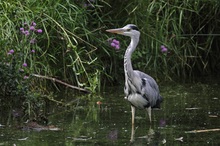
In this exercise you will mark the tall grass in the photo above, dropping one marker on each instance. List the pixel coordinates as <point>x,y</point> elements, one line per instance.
<point>49,38</point>
<point>189,29</point>
<point>63,50</point>
<point>66,40</point>
<point>73,48</point>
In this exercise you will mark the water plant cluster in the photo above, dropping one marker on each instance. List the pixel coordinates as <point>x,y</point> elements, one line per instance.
<point>66,40</point>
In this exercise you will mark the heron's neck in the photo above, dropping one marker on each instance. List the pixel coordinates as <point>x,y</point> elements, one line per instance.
<point>127,58</point>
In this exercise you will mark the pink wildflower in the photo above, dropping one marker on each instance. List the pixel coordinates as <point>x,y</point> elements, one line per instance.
<point>24,65</point>
<point>39,30</point>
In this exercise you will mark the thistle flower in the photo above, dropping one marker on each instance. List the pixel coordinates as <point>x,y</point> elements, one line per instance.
<point>33,23</point>
<point>39,30</point>
<point>115,41</point>
<point>33,51</point>
<point>163,49</point>
<point>115,44</point>
<point>26,32</point>
<point>24,65</point>
<point>32,28</point>
<point>26,77</point>
<point>21,29</point>
<point>117,47</point>
<point>11,52</point>
<point>32,41</point>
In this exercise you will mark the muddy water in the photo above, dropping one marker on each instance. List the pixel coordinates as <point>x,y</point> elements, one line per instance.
<point>190,115</point>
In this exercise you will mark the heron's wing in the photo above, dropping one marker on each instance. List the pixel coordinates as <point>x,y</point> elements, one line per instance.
<point>148,79</point>
<point>148,88</point>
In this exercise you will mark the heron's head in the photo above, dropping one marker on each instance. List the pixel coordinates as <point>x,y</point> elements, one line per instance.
<point>128,30</point>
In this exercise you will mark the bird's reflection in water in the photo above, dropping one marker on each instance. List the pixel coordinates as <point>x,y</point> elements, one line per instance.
<point>149,135</point>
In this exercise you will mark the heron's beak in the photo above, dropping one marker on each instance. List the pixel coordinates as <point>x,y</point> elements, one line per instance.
<point>117,30</point>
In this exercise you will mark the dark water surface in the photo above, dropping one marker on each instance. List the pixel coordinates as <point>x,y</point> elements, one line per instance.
<point>186,108</point>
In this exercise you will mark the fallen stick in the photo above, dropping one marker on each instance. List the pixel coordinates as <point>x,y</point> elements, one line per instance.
<point>61,82</point>
<point>205,130</point>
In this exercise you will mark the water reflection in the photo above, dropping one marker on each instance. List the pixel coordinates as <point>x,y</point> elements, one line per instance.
<point>148,138</point>
<point>113,135</point>
<point>185,109</point>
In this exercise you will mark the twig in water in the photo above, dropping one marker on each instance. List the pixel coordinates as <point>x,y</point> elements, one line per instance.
<point>205,130</point>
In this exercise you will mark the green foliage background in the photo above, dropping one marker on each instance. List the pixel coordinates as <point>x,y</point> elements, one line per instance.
<point>73,46</point>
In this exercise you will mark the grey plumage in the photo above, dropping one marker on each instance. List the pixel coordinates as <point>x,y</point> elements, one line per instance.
<point>141,90</point>
<point>146,87</point>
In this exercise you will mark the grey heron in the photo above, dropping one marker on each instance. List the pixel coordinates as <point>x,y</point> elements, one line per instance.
<point>141,90</point>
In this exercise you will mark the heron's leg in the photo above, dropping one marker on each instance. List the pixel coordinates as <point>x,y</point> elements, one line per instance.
<point>132,121</point>
<point>149,112</point>
<point>132,114</point>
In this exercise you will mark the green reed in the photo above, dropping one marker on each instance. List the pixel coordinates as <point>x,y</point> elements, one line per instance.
<point>63,49</point>
<point>48,38</point>
<point>187,28</point>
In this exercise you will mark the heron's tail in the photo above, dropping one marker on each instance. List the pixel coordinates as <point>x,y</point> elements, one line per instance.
<point>158,102</point>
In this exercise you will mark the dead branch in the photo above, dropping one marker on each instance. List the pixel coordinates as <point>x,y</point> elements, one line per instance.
<point>61,82</point>
<point>205,130</point>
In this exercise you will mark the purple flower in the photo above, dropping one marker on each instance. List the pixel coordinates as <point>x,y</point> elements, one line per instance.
<point>26,77</point>
<point>115,44</point>
<point>33,23</point>
<point>21,29</point>
<point>33,51</point>
<point>162,46</point>
<point>115,41</point>
<point>24,65</point>
<point>26,32</point>
<point>162,123</point>
<point>117,47</point>
<point>163,49</point>
<point>113,135</point>
<point>32,28</point>
<point>32,41</point>
<point>39,30</point>
<point>11,52</point>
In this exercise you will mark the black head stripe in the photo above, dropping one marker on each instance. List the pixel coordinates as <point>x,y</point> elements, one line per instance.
<point>134,27</point>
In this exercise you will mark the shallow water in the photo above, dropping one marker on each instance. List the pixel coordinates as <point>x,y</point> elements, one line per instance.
<point>185,108</point>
